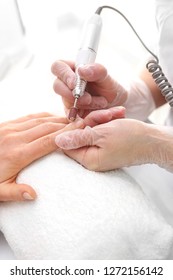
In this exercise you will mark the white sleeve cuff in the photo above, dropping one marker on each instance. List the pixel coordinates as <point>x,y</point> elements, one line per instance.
<point>140,103</point>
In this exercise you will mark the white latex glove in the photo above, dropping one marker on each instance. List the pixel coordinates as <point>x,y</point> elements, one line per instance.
<point>119,143</point>
<point>140,103</point>
<point>102,91</point>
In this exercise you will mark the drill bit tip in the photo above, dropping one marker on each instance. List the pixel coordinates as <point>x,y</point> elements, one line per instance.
<point>72,114</point>
<point>73,111</point>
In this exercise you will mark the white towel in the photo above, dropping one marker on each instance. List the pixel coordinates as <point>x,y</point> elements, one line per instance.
<point>80,214</point>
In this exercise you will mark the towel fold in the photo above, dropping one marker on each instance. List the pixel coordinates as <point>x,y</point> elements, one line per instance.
<point>81,214</point>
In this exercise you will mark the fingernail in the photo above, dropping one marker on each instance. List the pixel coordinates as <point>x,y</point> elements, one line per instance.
<point>27,196</point>
<point>87,70</point>
<point>119,109</point>
<point>79,123</point>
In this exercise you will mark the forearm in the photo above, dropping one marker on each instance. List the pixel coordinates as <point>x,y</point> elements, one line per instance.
<point>159,146</point>
<point>154,89</point>
<point>140,103</point>
<point>143,97</point>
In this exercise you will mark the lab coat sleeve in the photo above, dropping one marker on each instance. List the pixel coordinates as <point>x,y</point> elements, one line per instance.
<point>164,21</point>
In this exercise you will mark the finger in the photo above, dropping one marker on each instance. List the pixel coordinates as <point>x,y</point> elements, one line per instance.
<point>66,93</point>
<point>96,102</point>
<point>63,90</point>
<point>86,102</point>
<point>39,131</point>
<point>64,71</point>
<point>93,72</point>
<point>30,117</point>
<point>103,116</point>
<point>64,85</point>
<point>46,144</point>
<point>103,84</point>
<point>75,139</point>
<point>11,191</point>
<point>31,123</point>
<point>55,65</point>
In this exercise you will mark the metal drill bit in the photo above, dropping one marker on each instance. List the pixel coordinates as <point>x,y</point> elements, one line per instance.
<point>73,111</point>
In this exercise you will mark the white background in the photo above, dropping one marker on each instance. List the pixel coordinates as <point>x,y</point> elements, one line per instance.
<point>53,29</point>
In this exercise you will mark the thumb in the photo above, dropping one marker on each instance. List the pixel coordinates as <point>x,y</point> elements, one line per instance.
<point>76,138</point>
<point>16,192</point>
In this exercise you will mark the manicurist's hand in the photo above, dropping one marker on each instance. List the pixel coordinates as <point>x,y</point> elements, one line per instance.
<point>119,143</point>
<point>102,90</point>
<point>22,141</point>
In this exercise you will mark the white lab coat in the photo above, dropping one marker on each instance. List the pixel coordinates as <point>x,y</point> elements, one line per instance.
<point>164,20</point>
<point>155,181</point>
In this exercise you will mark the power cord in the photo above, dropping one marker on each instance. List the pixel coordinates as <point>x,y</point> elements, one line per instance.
<point>153,65</point>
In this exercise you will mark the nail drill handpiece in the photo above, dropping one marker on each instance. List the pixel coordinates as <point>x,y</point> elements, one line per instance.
<point>86,55</point>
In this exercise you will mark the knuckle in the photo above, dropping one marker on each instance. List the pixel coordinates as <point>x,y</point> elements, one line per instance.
<point>37,115</point>
<point>53,67</point>
<point>7,131</point>
<point>65,76</point>
<point>18,155</point>
<point>56,86</point>
<point>30,116</point>
<point>45,122</point>
<point>10,151</point>
<point>15,156</point>
<point>7,139</point>
<point>57,66</point>
<point>50,126</point>
<point>46,142</point>
<point>38,121</point>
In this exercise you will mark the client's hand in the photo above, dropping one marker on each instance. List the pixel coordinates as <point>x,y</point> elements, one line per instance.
<point>21,142</point>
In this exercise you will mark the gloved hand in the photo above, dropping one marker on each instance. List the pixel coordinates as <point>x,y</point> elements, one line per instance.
<point>119,143</point>
<point>103,116</point>
<point>102,91</point>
